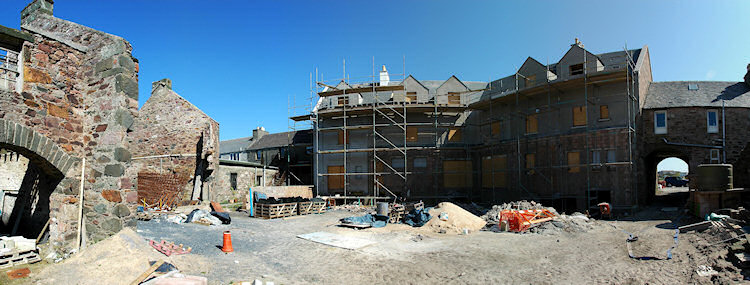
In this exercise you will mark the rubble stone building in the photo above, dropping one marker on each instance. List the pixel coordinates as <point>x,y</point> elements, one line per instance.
<point>69,93</point>
<point>289,152</point>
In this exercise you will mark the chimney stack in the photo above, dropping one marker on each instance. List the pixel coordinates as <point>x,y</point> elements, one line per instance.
<point>384,78</point>
<point>577,43</point>
<point>258,133</point>
<point>747,75</point>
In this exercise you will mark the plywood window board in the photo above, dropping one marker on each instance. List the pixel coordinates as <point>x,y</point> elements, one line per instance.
<point>335,182</point>
<point>603,112</point>
<point>456,173</point>
<point>341,136</point>
<point>579,116</point>
<point>493,171</point>
<point>495,128</point>
<point>532,125</point>
<point>574,160</point>
<point>412,134</point>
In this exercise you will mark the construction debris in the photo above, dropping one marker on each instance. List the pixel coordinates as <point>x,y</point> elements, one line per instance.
<point>457,220</point>
<point>169,248</point>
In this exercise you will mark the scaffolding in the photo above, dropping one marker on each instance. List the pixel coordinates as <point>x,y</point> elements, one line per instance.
<point>393,131</point>
<point>553,173</point>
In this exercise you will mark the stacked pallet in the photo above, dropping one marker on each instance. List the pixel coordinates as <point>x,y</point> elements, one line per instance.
<point>311,207</point>
<point>274,211</point>
<point>18,257</point>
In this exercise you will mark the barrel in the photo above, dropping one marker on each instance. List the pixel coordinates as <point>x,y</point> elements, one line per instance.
<point>715,177</point>
<point>382,209</point>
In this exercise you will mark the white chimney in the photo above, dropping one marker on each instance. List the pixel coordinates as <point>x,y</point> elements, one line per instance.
<point>384,78</point>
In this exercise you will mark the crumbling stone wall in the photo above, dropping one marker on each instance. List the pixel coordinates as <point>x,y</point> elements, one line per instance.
<point>173,136</point>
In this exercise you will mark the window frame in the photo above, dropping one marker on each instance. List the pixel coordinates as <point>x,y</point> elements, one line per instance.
<point>715,128</point>
<point>574,70</point>
<point>661,130</point>
<point>717,158</point>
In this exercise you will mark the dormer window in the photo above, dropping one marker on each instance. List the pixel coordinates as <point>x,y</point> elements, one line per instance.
<point>576,69</point>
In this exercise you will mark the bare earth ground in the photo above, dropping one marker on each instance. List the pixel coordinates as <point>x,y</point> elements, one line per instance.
<point>269,250</point>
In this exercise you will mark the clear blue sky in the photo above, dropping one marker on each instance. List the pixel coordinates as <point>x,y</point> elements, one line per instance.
<point>240,60</point>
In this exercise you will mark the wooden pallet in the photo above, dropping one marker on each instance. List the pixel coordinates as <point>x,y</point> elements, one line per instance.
<point>274,211</point>
<point>18,257</point>
<point>311,207</point>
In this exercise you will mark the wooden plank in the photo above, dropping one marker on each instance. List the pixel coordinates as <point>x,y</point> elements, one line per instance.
<point>360,90</point>
<point>148,272</point>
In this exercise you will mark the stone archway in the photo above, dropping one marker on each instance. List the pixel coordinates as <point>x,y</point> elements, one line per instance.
<point>652,160</point>
<point>26,209</point>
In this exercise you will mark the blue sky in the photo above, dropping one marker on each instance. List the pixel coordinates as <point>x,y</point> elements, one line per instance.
<point>239,61</point>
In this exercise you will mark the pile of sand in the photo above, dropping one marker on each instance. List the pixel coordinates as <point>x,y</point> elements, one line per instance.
<point>457,220</point>
<point>118,259</point>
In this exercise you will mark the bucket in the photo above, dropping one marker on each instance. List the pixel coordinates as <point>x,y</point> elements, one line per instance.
<point>382,208</point>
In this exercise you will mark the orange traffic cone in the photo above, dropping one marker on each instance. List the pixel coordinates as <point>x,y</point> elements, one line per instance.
<point>227,242</point>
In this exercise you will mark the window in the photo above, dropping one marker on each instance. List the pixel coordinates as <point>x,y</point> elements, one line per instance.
<point>596,157</point>
<point>420,162</point>
<point>660,122</point>
<point>258,180</point>
<point>308,150</point>
<point>579,116</point>
<point>412,134</point>
<point>530,160</point>
<point>397,162</point>
<point>712,121</point>
<point>611,156</point>
<point>576,69</point>
<point>494,171</point>
<point>603,112</point>
<point>335,181</point>
<point>456,173</point>
<point>692,86</point>
<point>233,181</point>
<point>531,124</point>
<point>454,135</point>
<point>344,100</point>
<point>342,137</point>
<point>411,96</point>
<point>257,154</point>
<point>495,128</point>
<point>574,160</point>
<point>530,80</point>
<point>715,157</point>
<point>454,98</point>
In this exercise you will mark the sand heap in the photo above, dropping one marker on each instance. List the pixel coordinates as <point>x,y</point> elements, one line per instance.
<point>118,259</point>
<point>456,219</point>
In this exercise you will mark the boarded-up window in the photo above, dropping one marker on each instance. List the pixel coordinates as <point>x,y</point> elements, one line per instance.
<point>342,137</point>
<point>456,173</point>
<point>530,80</point>
<point>603,112</point>
<point>335,182</point>
<point>574,160</point>
<point>576,69</point>
<point>412,134</point>
<point>579,116</point>
<point>454,98</point>
<point>494,171</point>
<point>495,126</point>
<point>454,135</point>
<point>530,160</point>
<point>532,126</point>
<point>411,96</point>
<point>344,100</point>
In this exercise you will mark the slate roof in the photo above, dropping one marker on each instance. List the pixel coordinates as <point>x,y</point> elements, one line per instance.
<point>266,141</point>
<point>709,94</point>
<point>234,145</point>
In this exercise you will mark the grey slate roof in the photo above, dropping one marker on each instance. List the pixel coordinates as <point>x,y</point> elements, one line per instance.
<point>234,145</point>
<point>266,141</point>
<point>709,94</point>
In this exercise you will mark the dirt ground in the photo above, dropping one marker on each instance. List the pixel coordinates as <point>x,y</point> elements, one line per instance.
<point>270,250</point>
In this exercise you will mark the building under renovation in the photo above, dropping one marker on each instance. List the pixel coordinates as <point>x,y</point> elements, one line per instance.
<point>569,134</point>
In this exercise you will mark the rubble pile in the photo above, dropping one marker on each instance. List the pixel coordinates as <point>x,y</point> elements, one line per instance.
<point>492,216</point>
<point>574,223</point>
<point>449,218</point>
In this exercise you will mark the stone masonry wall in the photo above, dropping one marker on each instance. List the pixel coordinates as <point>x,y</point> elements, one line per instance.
<point>171,135</point>
<point>246,178</point>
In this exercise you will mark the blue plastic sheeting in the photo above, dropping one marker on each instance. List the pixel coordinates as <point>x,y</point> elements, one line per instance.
<point>376,221</point>
<point>417,218</point>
